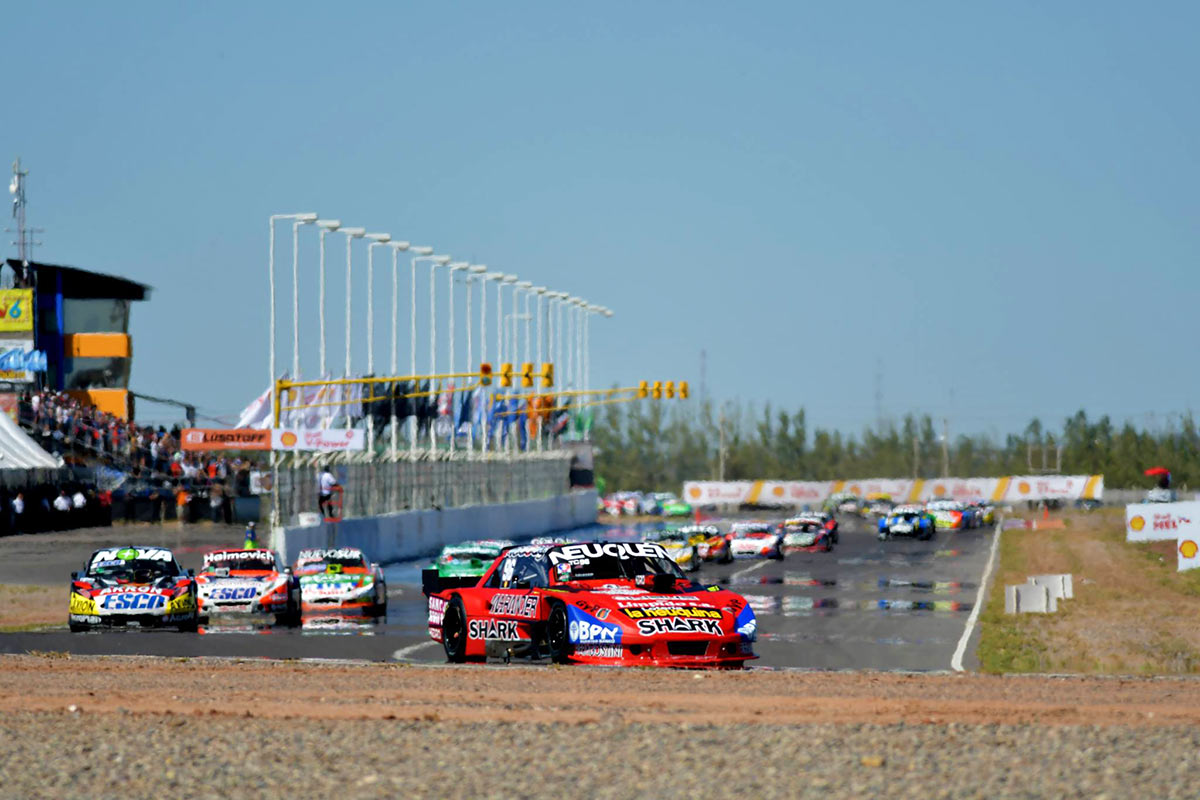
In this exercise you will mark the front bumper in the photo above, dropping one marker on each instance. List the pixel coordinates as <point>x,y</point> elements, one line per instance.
<point>728,652</point>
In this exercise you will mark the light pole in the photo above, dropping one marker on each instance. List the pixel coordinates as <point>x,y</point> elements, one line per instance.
<point>296,294</point>
<point>377,239</point>
<point>569,338</point>
<point>475,270</point>
<point>539,291</point>
<point>500,327</point>
<point>271,354</point>
<point>490,276</point>
<point>580,316</point>
<point>397,247</point>
<point>519,356</point>
<point>326,226</point>
<point>433,382</point>
<point>457,266</point>
<point>351,235</point>
<point>412,339</point>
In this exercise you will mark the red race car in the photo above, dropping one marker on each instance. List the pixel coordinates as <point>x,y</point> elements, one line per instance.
<point>607,603</point>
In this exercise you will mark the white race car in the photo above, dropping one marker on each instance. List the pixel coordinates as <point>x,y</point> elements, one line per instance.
<point>756,540</point>
<point>248,584</point>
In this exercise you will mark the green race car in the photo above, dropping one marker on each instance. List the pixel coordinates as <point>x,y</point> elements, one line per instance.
<point>463,564</point>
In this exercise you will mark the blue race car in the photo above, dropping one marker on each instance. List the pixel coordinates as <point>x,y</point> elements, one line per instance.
<point>907,521</point>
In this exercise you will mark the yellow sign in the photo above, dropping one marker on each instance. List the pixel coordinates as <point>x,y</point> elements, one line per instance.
<point>16,309</point>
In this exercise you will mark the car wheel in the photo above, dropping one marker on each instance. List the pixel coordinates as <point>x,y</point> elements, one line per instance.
<point>77,628</point>
<point>883,536</point>
<point>454,632</point>
<point>190,627</point>
<point>557,640</point>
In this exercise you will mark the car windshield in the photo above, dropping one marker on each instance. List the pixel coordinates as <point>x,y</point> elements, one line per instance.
<point>612,561</point>
<point>133,570</point>
<point>467,556</point>
<point>803,527</point>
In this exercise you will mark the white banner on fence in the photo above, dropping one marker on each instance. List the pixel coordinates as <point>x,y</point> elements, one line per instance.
<point>1010,489</point>
<point>1161,522</point>
<point>325,441</point>
<point>1189,552</point>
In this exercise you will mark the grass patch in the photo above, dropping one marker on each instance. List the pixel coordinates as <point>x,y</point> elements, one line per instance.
<point>1132,611</point>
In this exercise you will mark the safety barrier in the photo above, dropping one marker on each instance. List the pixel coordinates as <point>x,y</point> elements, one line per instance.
<point>413,534</point>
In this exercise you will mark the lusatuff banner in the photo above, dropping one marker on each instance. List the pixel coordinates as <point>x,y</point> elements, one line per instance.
<point>1008,489</point>
<point>330,440</point>
<point>205,439</point>
<point>1162,522</point>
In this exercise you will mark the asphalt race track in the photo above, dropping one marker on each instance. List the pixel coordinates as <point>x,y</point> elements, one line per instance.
<point>900,604</point>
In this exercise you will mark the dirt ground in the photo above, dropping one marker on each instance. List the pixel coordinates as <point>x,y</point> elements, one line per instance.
<point>283,690</point>
<point>1132,613</point>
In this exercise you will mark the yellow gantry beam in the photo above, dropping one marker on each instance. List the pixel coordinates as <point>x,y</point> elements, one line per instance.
<point>484,377</point>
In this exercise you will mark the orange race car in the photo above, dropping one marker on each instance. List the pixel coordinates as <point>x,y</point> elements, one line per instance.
<point>340,581</point>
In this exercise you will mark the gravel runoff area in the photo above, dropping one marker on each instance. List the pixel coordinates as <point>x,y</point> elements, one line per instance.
<point>108,727</point>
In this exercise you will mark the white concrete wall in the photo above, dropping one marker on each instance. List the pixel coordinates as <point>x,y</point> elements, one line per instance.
<point>414,534</point>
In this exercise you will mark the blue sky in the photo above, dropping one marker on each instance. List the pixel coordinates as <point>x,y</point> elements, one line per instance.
<point>998,201</point>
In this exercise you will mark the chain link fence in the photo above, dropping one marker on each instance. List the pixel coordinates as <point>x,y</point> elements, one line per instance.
<point>382,487</point>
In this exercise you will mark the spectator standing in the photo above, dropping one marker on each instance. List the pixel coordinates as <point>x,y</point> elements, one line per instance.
<point>62,502</point>
<point>18,513</point>
<point>326,483</point>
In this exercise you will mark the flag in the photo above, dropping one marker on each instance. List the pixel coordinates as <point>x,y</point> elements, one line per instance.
<point>465,408</point>
<point>523,439</point>
<point>258,414</point>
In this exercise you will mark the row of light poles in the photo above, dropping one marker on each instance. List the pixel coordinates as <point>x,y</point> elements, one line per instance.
<point>565,333</point>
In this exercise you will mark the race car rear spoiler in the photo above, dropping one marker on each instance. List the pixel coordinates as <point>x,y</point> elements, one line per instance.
<point>432,583</point>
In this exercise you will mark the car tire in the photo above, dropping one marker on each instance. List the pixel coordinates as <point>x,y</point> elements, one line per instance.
<point>454,631</point>
<point>558,641</point>
<point>77,628</point>
<point>883,536</point>
<point>190,627</point>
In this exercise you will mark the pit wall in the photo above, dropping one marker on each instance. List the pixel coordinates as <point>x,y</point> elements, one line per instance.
<point>415,534</point>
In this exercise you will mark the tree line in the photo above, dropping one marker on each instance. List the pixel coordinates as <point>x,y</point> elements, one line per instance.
<point>655,445</point>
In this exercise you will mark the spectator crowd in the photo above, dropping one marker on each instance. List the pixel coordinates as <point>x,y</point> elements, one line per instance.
<point>158,479</point>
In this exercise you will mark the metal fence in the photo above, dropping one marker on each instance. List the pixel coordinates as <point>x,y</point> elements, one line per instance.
<point>382,487</point>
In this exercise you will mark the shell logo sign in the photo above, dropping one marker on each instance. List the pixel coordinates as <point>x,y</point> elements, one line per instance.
<point>1188,548</point>
<point>1137,523</point>
<point>1023,487</point>
<point>777,491</point>
<point>939,490</point>
<point>288,439</point>
<point>694,493</point>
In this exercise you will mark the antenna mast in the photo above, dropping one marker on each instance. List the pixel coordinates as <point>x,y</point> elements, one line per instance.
<point>16,188</point>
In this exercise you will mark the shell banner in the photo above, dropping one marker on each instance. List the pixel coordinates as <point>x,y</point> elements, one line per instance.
<point>1009,489</point>
<point>1162,522</point>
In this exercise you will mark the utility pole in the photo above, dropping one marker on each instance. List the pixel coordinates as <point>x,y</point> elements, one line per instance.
<point>945,447</point>
<point>721,444</point>
<point>24,242</point>
<point>916,457</point>
<point>879,395</point>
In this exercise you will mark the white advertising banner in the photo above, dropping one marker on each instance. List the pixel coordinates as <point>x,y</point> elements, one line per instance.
<point>1161,522</point>
<point>1189,552</point>
<point>1010,489</point>
<point>329,440</point>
